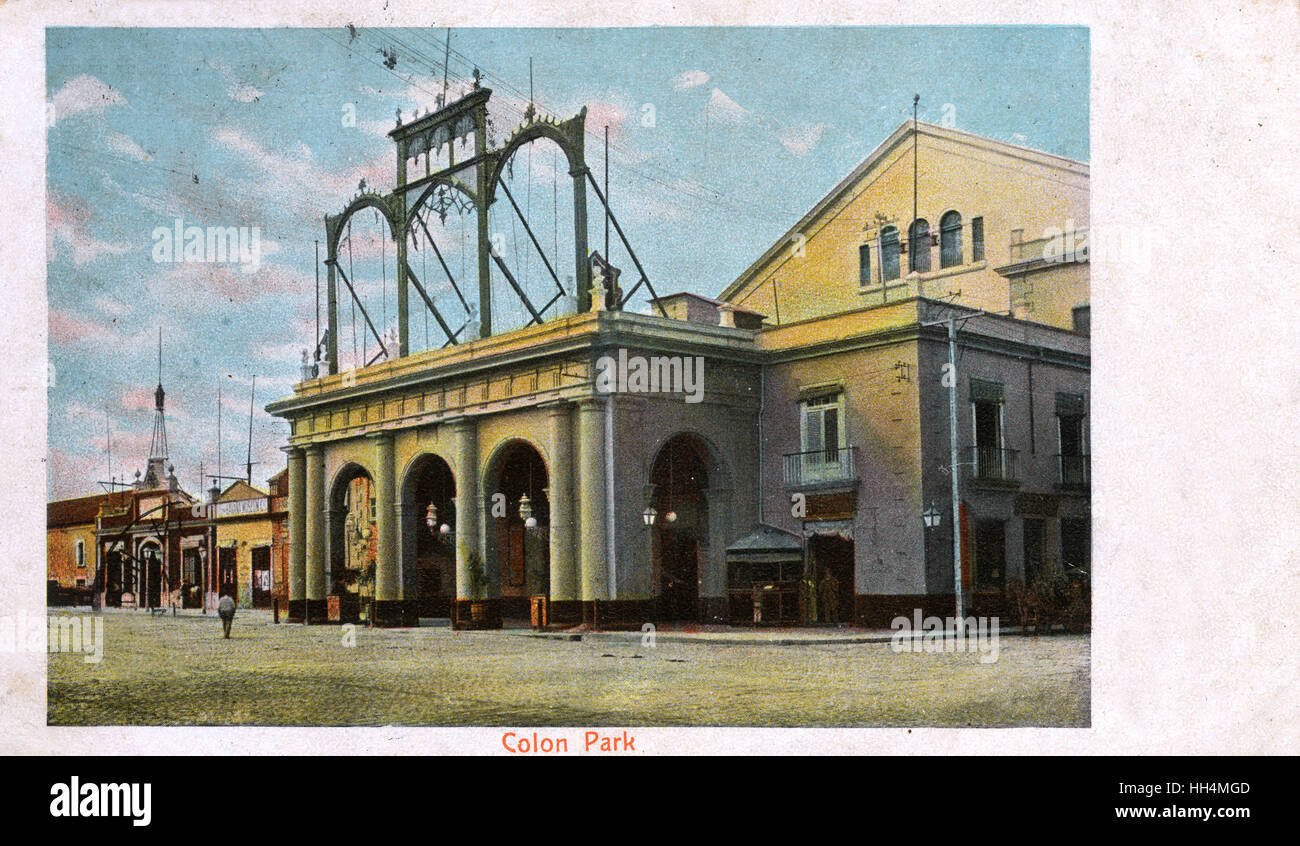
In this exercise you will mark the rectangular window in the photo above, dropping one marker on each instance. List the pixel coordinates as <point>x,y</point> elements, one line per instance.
<point>977,238</point>
<point>986,418</point>
<point>864,265</point>
<point>1071,433</point>
<point>821,427</point>
<point>81,553</point>
<point>823,455</point>
<point>1072,439</point>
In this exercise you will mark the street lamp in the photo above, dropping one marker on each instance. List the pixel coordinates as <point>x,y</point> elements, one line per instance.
<point>431,520</point>
<point>526,512</point>
<point>648,516</point>
<point>932,517</point>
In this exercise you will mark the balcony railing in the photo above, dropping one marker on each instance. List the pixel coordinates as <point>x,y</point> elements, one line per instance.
<point>993,464</point>
<point>832,464</point>
<point>1075,471</point>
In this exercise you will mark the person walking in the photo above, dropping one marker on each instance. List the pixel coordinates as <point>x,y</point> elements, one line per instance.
<point>226,609</point>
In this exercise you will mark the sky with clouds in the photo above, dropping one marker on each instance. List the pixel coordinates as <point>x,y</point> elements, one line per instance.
<point>720,139</point>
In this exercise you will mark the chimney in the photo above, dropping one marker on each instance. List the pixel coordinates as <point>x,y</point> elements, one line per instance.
<point>727,315</point>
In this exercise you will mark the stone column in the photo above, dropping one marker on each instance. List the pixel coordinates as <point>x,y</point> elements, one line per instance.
<point>297,535</point>
<point>388,570</point>
<point>564,565</point>
<point>316,565</point>
<point>590,494</point>
<point>468,504</point>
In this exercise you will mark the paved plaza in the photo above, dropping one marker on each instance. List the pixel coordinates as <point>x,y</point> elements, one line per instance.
<point>179,671</point>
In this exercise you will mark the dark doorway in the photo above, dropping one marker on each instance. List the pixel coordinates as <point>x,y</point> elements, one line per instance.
<point>679,567</point>
<point>431,550</point>
<point>1076,548</point>
<point>831,567</point>
<point>227,573</point>
<point>680,478</point>
<point>261,577</point>
<point>990,555</point>
<point>113,579</point>
<point>1034,533</point>
<point>522,535</point>
<point>130,567</point>
<point>153,579</point>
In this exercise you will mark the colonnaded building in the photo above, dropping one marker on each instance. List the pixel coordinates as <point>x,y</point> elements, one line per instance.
<point>702,461</point>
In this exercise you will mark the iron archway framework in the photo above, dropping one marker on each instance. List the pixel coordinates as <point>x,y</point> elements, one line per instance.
<point>468,185</point>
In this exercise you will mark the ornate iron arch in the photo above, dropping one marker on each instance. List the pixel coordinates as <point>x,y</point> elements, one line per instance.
<point>334,224</point>
<point>568,135</point>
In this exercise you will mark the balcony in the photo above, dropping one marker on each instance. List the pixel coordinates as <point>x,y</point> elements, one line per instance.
<point>1075,471</point>
<point>822,466</point>
<point>993,464</point>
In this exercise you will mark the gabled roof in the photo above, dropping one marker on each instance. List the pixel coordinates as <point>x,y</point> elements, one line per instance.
<point>239,490</point>
<point>904,132</point>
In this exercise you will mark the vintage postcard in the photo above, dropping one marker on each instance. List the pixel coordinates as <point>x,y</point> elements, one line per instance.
<point>524,383</point>
<point>439,376</point>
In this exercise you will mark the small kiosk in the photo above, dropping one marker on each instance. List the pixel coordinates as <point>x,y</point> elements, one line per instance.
<point>764,572</point>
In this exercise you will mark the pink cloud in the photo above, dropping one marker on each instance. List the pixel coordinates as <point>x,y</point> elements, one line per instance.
<point>67,222</point>
<point>66,328</point>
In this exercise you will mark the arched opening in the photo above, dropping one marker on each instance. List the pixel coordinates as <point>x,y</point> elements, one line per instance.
<point>112,579</point>
<point>142,579</point>
<point>367,300</point>
<point>918,245</point>
<point>429,547</point>
<point>950,239</point>
<point>681,529</point>
<point>353,543</point>
<point>889,253</point>
<point>519,533</point>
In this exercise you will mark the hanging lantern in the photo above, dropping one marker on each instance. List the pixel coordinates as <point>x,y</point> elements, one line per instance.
<point>648,516</point>
<point>526,512</point>
<point>431,517</point>
<point>445,529</point>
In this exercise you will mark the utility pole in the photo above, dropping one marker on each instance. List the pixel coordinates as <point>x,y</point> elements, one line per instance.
<point>248,466</point>
<point>952,451</point>
<point>953,463</point>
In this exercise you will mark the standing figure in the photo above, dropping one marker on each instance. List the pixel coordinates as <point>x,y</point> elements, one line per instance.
<point>829,594</point>
<point>226,610</point>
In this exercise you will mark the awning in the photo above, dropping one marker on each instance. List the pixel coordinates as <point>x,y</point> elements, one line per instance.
<point>767,543</point>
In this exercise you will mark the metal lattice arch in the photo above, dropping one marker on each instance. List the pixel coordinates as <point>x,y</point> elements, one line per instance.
<point>478,178</point>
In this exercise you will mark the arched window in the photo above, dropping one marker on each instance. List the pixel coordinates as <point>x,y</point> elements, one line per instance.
<point>950,240</point>
<point>918,245</point>
<point>889,253</point>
